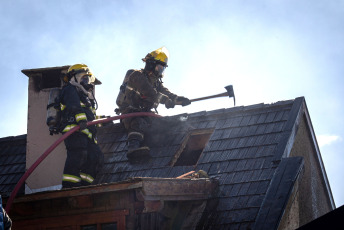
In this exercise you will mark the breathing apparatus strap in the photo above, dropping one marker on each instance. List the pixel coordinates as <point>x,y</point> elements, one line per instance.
<point>95,101</point>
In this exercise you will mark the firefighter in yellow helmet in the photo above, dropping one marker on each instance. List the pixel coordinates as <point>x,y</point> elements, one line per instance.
<point>78,106</point>
<point>141,91</point>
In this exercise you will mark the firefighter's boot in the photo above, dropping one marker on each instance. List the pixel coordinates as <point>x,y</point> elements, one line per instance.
<point>135,150</point>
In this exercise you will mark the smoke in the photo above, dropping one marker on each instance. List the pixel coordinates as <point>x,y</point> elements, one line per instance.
<point>165,131</point>
<point>183,118</point>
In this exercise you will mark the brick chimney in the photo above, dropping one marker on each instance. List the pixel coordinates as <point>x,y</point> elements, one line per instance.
<point>48,175</point>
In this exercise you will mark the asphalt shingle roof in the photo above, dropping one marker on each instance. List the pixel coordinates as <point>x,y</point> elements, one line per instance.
<point>243,153</point>
<point>12,162</point>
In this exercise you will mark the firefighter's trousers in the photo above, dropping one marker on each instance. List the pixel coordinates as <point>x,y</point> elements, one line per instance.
<point>84,158</point>
<point>136,124</point>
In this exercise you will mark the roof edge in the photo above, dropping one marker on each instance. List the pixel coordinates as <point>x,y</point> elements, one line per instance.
<point>237,109</point>
<point>203,189</point>
<point>279,192</point>
<point>28,72</point>
<point>298,112</point>
<point>289,133</point>
<point>13,138</point>
<point>317,149</point>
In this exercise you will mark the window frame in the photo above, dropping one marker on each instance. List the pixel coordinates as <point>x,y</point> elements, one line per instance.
<point>177,160</point>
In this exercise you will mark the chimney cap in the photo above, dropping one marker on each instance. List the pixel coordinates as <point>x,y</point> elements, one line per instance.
<point>30,72</point>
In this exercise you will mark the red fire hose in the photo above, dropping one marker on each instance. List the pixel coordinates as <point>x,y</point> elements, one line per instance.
<point>64,136</point>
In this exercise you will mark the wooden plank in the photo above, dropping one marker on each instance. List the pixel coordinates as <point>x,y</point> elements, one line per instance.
<point>160,185</point>
<point>177,189</point>
<point>80,191</point>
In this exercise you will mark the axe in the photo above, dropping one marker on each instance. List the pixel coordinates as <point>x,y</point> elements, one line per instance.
<point>229,93</point>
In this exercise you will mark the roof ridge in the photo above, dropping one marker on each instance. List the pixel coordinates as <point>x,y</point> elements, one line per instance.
<point>13,138</point>
<point>237,109</point>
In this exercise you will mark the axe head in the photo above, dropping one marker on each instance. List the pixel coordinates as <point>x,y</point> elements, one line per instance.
<point>230,92</point>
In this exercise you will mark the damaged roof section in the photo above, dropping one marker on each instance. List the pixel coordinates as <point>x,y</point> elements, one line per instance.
<point>192,148</point>
<point>240,139</point>
<point>168,201</point>
<point>239,149</point>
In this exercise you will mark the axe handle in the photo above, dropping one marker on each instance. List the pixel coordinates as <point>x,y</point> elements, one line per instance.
<point>209,97</point>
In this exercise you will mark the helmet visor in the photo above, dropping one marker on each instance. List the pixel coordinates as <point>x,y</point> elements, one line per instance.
<point>85,79</point>
<point>160,69</point>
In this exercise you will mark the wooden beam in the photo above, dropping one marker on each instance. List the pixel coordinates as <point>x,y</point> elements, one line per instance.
<point>80,191</point>
<point>150,188</point>
<point>177,189</point>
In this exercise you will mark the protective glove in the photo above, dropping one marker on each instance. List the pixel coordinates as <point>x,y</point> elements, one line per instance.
<point>183,101</point>
<point>83,125</point>
<point>169,104</point>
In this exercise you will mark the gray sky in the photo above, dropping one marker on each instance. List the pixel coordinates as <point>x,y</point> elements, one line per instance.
<point>270,50</point>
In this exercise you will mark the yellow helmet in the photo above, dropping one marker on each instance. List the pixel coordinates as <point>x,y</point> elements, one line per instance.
<point>80,68</point>
<point>160,55</point>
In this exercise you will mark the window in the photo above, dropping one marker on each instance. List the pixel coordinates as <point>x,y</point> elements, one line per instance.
<point>192,148</point>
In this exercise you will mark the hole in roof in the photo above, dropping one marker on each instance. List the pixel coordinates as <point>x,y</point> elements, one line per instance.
<point>192,148</point>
